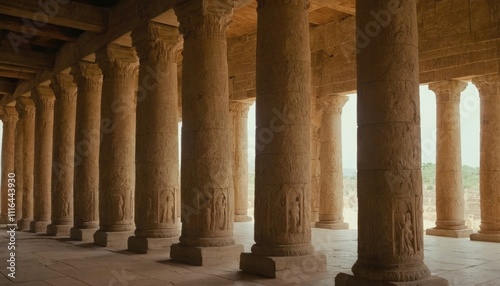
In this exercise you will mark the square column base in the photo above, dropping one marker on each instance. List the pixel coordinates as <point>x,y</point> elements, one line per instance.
<point>343,279</point>
<point>82,234</point>
<point>460,233</point>
<point>485,237</point>
<point>144,245</point>
<point>58,229</point>
<point>39,226</point>
<point>242,218</point>
<point>338,225</point>
<point>205,256</point>
<point>283,267</point>
<point>24,224</point>
<point>112,239</point>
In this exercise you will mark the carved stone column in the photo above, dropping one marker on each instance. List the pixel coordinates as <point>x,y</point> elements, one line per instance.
<point>489,92</point>
<point>88,79</point>
<point>157,158</point>
<point>315,149</point>
<point>117,150</point>
<point>206,172</point>
<point>9,118</point>
<point>449,191</point>
<point>239,113</point>
<point>18,163</point>
<point>390,221</point>
<point>282,164</point>
<point>44,100</point>
<point>26,109</point>
<point>332,176</point>
<point>64,90</point>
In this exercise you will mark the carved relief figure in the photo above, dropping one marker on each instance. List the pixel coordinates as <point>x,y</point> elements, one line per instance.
<point>119,207</point>
<point>294,214</point>
<point>65,208</point>
<point>149,207</point>
<point>406,247</point>
<point>163,207</point>
<point>221,212</point>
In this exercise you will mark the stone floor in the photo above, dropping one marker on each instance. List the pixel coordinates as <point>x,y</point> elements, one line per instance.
<point>43,260</point>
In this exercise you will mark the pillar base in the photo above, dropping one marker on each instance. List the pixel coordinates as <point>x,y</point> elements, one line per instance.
<point>458,233</point>
<point>39,226</point>
<point>489,237</point>
<point>333,225</point>
<point>82,234</point>
<point>144,245</point>
<point>205,256</point>
<point>58,229</point>
<point>242,218</point>
<point>343,279</point>
<point>314,216</point>
<point>24,224</point>
<point>283,267</point>
<point>112,239</point>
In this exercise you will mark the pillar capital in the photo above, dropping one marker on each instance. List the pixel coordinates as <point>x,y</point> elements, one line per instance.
<point>64,86</point>
<point>156,42</point>
<point>239,107</point>
<point>87,74</point>
<point>449,90</point>
<point>25,107</point>
<point>9,115</point>
<point>117,61</point>
<point>488,85</point>
<point>304,4</point>
<point>44,98</point>
<point>204,19</point>
<point>332,103</point>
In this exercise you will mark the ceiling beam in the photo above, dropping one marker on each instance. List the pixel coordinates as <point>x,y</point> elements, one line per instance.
<point>17,25</point>
<point>26,58</point>
<point>16,74</point>
<point>346,6</point>
<point>70,14</point>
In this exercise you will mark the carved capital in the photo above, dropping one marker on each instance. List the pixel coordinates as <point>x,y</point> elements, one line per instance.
<point>44,98</point>
<point>25,107</point>
<point>488,85</point>
<point>449,90</point>
<point>204,19</point>
<point>332,103</point>
<point>64,86</point>
<point>239,108</point>
<point>9,115</point>
<point>156,42</point>
<point>302,4</point>
<point>116,61</point>
<point>87,75</point>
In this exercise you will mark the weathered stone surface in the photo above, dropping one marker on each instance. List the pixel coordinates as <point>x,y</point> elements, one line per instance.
<point>44,100</point>
<point>205,256</point>
<point>9,117</point>
<point>315,155</point>
<point>18,163</point>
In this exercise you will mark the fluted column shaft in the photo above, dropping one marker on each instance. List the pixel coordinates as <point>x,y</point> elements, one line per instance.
<point>239,113</point>
<point>489,92</point>
<point>9,117</point>
<point>117,150</point>
<point>88,79</point>
<point>44,100</point>
<point>26,109</point>
<point>18,164</point>
<point>332,178</point>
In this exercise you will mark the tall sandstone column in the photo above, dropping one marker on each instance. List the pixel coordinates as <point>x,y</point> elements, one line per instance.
<point>282,165</point>
<point>332,178</point>
<point>449,192</point>
<point>26,109</point>
<point>64,155</point>
<point>9,117</point>
<point>44,127</point>
<point>117,150</point>
<point>489,92</point>
<point>315,149</point>
<point>206,169</point>
<point>390,222</point>
<point>239,114</point>
<point>157,157</point>
<point>88,79</point>
<point>18,163</point>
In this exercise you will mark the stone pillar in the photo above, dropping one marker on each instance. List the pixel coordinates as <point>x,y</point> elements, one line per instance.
<point>64,89</point>
<point>26,109</point>
<point>88,79</point>
<point>315,148</point>
<point>18,163</point>
<point>117,150</point>
<point>206,170</point>
<point>282,164</point>
<point>449,192</point>
<point>332,176</point>
<point>390,221</point>
<point>157,158</point>
<point>44,100</point>
<point>489,92</point>
<point>239,113</point>
<point>9,118</point>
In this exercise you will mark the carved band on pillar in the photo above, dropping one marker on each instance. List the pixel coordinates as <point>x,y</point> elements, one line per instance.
<point>44,127</point>
<point>18,163</point>
<point>88,78</point>
<point>332,178</point>
<point>282,165</point>
<point>449,192</point>
<point>9,117</point>
<point>489,92</point>
<point>206,171</point>
<point>157,158</point>
<point>26,109</point>
<point>239,150</point>
<point>64,89</point>
<point>117,149</point>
